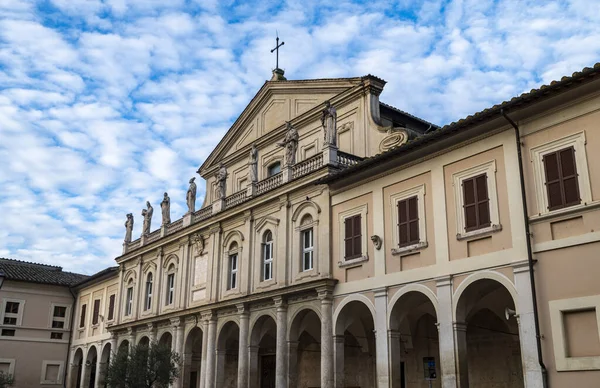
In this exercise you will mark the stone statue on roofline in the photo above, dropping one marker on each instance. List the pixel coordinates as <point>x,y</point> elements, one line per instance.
<point>147,214</point>
<point>128,228</point>
<point>190,197</point>
<point>222,182</point>
<point>253,164</point>
<point>290,143</point>
<point>165,206</point>
<point>329,123</point>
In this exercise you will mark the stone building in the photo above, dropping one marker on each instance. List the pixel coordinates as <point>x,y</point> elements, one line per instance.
<point>345,243</point>
<point>36,306</point>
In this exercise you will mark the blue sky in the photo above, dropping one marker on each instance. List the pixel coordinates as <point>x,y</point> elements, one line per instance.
<point>107,104</point>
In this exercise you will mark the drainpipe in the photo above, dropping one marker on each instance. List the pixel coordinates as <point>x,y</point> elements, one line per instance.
<point>529,250</point>
<point>70,336</point>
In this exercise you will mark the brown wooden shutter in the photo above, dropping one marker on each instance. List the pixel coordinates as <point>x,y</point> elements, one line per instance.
<point>408,221</point>
<point>82,317</point>
<point>562,185</point>
<point>96,312</point>
<point>353,237</point>
<point>357,236</point>
<point>476,202</point>
<point>111,307</point>
<point>348,247</point>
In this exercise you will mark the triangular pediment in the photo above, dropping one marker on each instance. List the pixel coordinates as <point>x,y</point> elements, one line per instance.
<point>274,104</point>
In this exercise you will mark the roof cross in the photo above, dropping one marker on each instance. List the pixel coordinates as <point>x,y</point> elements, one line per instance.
<point>277,45</point>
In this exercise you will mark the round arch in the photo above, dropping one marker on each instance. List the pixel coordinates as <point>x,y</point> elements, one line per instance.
<point>420,288</point>
<point>352,298</point>
<point>301,310</point>
<point>166,338</point>
<point>490,275</point>
<point>222,324</point>
<point>254,319</point>
<point>144,340</point>
<point>307,207</point>
<point>233,235</point>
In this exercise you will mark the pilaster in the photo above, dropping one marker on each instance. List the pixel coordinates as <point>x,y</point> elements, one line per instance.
<point>446,333</point>
<point>381,342</point>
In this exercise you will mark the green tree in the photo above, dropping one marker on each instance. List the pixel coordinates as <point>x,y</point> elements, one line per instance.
<point>6,380</point>
<point>143,366</point>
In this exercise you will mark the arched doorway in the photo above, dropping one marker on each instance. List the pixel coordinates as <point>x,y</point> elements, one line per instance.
<point>414,342</point>
<point>89,380</point>
<point>166,339</point>
<point>144,341</point>
<point>489,351</point>
<point>104,362</point>
<point>123,346</point>
<point>227,355</point>
<point>262,348</point>
<point>355,351</point>
<point>76,369</point>
<point>192,359</point>
<point>305,350</point>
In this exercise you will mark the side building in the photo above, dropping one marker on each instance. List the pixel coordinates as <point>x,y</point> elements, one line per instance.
<point>35,322</point>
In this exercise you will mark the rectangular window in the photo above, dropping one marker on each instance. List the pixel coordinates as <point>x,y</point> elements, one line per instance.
<point>148,304</point>
<point>562,184</point>
<point>233,267</point>
<point>56,335</point>
<point>353,237</point>
<point>408,221</point>
<point>11,313</point>
<point>268,260</point>
<point>82,316</point>
<point>96,312</point>
<point>307,249</point>
<point>111,307</point>
<point>59,317</point>
<point>170,288</point>
<point>8,332</point>
<point>476,202</point>
<point>129,301</point>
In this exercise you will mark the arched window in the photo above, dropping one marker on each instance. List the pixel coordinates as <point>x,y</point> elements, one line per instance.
<point>129,298</point>
<point>233,266</point>
<point>267,273</point>
<point>170,285</point>
<point>148,301</point>
<point>274,169</point>
<point>307,243</point>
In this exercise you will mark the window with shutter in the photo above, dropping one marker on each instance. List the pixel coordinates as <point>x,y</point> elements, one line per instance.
<point>111,307</point>
<point>408,221</point>
<point>96,312</point>
<point>562,184</point>
<point>82,317</point>
<point>353,237</point>
<point>476,202</point>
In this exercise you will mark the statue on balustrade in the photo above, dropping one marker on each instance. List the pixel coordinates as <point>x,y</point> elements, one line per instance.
<point>128,228</point>
<point>253,164</point>
<point>165,206</point>
<point>222,182</point>
<point>329,123</point>
<point>147,214</point>
<point>191,196</point>
<point>290,143</point>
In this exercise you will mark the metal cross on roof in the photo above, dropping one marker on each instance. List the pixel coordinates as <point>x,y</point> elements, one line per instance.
<point>277,45</point>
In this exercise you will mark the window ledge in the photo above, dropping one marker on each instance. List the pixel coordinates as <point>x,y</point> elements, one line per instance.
<point>95,326</point>
<point>266,283</point>
<point>566,211</point>
<point>311,273</point>
<point>479,232</point>
<point>410,248</point>
<point>352,262</point>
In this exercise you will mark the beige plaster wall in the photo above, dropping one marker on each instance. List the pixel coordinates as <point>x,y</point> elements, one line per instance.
<point>423,257</point>
<point>29,357</point>
<point>499,240</point>
<point>99,290</point>
<point>361,270</point>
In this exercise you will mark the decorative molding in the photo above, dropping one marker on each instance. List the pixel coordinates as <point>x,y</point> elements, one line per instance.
<point>377,241</point>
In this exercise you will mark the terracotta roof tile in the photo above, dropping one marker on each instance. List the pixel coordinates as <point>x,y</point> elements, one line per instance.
<point>38,273</point>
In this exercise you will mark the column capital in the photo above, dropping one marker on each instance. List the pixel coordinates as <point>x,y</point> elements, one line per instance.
<point>325,293</point>
<point>130,331</point>
<point>208,316</point>
<point>380,292</point>
<point>176,322</point>
<point>242,309</point>
<point>443,281</point>
<point>280,302</point>
<point>520,267</point>
<point>151,326</point>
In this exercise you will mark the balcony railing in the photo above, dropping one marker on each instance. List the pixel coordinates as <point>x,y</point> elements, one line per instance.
<point>347,160</point>
<point>269,183</point>
<point>202,214</point>
<point>235,199</point>
<point>175,226</point>
<point>309,165</point>
<point>153,236</point>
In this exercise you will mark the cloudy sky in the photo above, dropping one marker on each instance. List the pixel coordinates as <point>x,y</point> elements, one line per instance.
<point>105,104</point>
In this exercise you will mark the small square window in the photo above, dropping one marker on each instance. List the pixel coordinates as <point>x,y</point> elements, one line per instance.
<point>56,335</point>
<point>274,169</point>
<point>8,332</point>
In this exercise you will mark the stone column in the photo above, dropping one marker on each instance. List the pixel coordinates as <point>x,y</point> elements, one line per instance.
<point>84,371</point>
<point>114,340</point>
<point>532,372</point>
<point>394,339</point>
<point>282,352</point>
<point>131,337</point>
<point>243,347</point>
<point>253,367</point>
<point>462,369</point>
<point>151,331</point>
<point>204,353</point>
<point>178,329</point>
<point>381,340</point>
<point>211,349</point>
<point>446,333</point>
<point>338,341</point>
<point>293,363</point>
<point>99,367</point>
<point>327,370</point>
<point>220,370</point>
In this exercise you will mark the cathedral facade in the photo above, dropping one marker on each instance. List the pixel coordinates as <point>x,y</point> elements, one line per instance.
<point>343,242</point>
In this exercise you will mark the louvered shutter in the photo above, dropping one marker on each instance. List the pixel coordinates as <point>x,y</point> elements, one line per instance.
<point>82,317</point>
<point>562,185</point>
<point>96,312</point>
<point>357,243</point>
<point>553,181</point>
<point>469,204</point>
<point>408,221</point>
<point>111,307</point>
<point>348,247</point>
<point>483,201</point>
